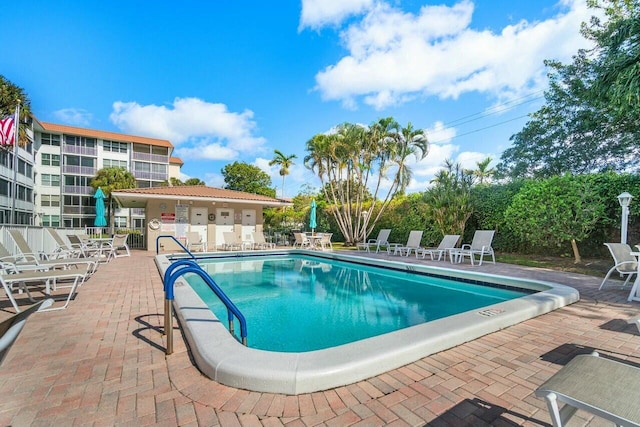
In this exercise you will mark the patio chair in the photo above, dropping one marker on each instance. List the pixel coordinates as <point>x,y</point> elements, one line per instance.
<point>325,241</point>
<point>194,242</point>
<point>230,241</point>
<point>27,252</point>
<point>11,327</point>
<point>413,243</point>
<point>118,242</point>
<point>480,245</point>
<point>625,263</point>
<point>301,240</point>
<point>63,247</point>
<point>31,263</point>
<point>448,242</point>
<point>381,240</point>
<point>49,279</point>
<point>259,241</point>
<point>603,387</point>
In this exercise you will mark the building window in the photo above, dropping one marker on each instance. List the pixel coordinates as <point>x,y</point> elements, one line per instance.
<point>50,180</point>
<point>158,168</point>
<point>141,167</point>
<point>50,200</point>
<point>50,159</point>
<point>120,221</point>
<point>109,163</point>
<point>88,162</point>
<point>80,141</point>
<point>115,147</point>
<point>82,181</point>
<point>49,139</point>
<point>51,220</point>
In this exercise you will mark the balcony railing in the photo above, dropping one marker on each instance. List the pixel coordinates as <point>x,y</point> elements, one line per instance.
<point>151,175</point>
<point>138,211</point>
<point>79,170</point>
<point>74,149</point>
<point>77,189</point>
<point>157,158</point>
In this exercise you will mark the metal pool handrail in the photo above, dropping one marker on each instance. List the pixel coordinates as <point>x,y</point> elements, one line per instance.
<point>181,267</point>
<point>168,236</point>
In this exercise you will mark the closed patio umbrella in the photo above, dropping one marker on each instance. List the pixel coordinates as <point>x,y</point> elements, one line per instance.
<point>312,216</point>
<point>101,220</point>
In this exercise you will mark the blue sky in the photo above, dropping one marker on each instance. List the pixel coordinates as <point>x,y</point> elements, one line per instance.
<point>234,80</point>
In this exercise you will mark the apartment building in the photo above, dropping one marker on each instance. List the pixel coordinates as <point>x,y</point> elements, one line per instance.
<point>16,202</point>
<point>66,158</point>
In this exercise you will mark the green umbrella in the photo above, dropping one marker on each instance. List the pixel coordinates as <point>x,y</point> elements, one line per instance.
<point>312,215</point>
<point>100,220</point>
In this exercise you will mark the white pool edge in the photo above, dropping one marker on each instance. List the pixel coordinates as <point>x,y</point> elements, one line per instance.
<point>222,358</point>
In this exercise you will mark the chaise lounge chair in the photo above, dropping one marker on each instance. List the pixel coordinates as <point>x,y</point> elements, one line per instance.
<point>259,241</point>
<point>625,263</point>
<point>413,243</point>
<point>381,240</point>
<point>603,387</point>
<point>194,242</point>
<point>448,242</point>
<point>480,245</point>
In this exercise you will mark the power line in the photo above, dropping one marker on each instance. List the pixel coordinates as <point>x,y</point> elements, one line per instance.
<point>481,129</point>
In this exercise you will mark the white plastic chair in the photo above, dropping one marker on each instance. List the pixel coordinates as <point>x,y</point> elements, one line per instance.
<point>413,243</point>
<point>447,243</point>
<point>480,245</point>
<point>625,263</point>
<point>381,240</point>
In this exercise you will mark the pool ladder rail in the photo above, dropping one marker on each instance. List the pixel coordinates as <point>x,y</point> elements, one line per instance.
<point>184,266</point>
<point>168,236</point>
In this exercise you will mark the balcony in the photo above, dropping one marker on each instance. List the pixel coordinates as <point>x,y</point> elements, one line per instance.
<point>79,170</point>
<point>157,158</point>
<point>77,189</point>
<point>74,149</point>
<point>159,176</point>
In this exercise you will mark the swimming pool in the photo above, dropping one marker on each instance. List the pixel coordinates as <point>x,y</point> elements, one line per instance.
<point>222,358</point>
<point>297,303</point>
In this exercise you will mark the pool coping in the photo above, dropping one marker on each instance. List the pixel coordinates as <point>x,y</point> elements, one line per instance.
<point>222,358</point>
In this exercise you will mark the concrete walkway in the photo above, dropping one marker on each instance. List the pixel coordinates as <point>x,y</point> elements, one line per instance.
<point>101,362</point>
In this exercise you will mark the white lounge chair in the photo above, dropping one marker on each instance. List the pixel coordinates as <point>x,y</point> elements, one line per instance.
<point>301,240</point>
<point>11,327</point>
<point>31,263</point>
<point>625,263</point>
<point>49,279</point>
<point>325,241</point>
<point>118,242</point>
<point>413,243</point>
<point>448,242</point>
<point>27,252</point>
<point>259,241</point>
<point>381,241</point>
<point>230,241</point>
<point>480,246</point>
<point>603,387</point>
<point>194,242</point>
<point>63,247</point>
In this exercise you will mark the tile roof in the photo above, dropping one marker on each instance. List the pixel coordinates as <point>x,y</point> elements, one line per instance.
<point>199,191</point>
<point>176,161</point>
<point>52,127</point>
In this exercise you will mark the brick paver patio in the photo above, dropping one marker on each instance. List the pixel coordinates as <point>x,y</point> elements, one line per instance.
<point>101,362</point>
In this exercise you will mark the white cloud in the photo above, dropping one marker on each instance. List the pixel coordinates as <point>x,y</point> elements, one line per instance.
<point>213,179</point>
<point>74,116</point>
<point>319,13</point>
<point>396,56</point>
<point>205,130</point>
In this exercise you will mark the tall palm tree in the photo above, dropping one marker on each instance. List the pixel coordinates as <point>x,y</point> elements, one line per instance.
<point>285,163</point>
<point>483,173</point>
<point>112,179</point>
<point>10,96</point>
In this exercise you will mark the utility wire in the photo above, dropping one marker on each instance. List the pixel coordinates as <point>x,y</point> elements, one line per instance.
<point>480,129</point>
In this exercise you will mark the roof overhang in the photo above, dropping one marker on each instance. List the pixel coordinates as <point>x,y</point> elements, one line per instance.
<point>138,200</point>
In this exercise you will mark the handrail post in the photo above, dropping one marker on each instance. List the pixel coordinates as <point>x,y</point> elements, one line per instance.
<point>180,268</point>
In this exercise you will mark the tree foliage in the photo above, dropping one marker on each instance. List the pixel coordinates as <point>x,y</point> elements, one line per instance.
<point>10,96</point>
<point>555,211</point>
<point>353,159</point>
<point>285,163</point>
<point>449,200</point>
<point>591,118</point>
<point>112,179</point>
<point>176,182</point>
<point>241,176</point>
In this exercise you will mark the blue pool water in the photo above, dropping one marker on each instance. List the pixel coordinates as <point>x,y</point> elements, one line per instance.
<point>298,303</point>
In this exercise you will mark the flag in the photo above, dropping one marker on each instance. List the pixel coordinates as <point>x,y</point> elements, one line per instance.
<point>7,131</point>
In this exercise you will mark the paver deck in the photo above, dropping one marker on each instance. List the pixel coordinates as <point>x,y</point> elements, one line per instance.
<point>102,362</point>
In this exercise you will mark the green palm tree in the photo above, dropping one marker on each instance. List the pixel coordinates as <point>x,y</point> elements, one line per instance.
<point>285,163</point>
<point>112,179</point>
<point>483,173</point>
<point>10,96</point>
